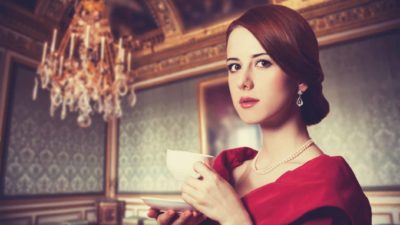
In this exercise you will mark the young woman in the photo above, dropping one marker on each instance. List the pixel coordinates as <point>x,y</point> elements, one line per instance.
<point>275,81</point>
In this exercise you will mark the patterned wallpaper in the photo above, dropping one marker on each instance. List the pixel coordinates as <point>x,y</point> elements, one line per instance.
<point>165,117</point>
<point>362,84</point>
<point>363,87</point>
<point>46,155</point>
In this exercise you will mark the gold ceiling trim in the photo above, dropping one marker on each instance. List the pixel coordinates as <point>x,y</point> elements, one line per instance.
<point>51,10</point>
<point>298,5</point>
<point>166,16</point>
<point>340,17</point>
<point>23,22</point>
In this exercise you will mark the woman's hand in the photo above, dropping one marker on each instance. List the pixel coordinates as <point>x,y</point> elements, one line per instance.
<point>170,217</point>
<point>214,196</point>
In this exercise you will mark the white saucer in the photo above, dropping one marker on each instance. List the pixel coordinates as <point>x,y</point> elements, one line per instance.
<point>165,204</point>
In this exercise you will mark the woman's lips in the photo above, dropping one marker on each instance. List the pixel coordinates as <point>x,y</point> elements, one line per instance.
<point>248,102</point>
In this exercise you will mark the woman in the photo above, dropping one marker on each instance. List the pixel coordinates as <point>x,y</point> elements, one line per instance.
<point>275,81</point>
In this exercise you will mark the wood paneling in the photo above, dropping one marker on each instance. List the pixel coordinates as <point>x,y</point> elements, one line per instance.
<point>57,217</point>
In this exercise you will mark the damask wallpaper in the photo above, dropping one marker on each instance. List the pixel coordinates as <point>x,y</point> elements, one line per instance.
<point>164,118</point>
<point>362,85</point>
<point>45,155</point>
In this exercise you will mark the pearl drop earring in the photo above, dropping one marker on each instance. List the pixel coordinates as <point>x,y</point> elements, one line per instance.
<point>299,101</point>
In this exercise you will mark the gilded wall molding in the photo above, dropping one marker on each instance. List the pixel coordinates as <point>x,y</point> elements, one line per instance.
<point>357,16</point>
<point>184,61</point>
<point>20,43</point>
<point>329,18</point>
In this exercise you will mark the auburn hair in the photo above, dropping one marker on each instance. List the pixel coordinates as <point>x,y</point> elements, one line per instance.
<point>288,38</point>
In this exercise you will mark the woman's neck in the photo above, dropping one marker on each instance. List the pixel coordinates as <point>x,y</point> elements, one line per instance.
<point>281,141</point>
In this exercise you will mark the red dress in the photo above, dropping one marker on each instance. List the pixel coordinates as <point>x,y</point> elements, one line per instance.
<point>323,191</point>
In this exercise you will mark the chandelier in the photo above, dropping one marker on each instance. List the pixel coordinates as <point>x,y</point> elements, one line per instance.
<point>88,73</point>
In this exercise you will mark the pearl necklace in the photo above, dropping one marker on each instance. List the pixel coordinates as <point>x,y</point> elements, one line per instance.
<point>295,154</point>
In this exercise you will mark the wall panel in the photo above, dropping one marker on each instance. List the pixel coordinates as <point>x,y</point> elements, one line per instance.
<point>45,155</point>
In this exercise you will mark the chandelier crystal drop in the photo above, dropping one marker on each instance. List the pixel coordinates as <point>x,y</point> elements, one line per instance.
<point>88,72</point>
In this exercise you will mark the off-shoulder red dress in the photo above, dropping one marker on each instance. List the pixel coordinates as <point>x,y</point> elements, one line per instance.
<point>323,191</point>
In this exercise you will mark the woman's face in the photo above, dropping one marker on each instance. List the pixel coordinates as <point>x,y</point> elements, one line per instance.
<point>261,91</point>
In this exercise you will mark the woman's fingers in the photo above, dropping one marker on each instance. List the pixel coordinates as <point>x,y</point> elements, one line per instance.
<point>153,213</point>
<point>191,185</point>
<point>171,217</point>
<point>183,218</point>
<point>192,200</point>
<point>167,217</point>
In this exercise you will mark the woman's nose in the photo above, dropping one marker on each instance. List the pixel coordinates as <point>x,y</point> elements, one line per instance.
<point>246,81</point>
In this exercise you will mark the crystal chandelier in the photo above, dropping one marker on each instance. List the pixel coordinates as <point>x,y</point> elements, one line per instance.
<point>88,72</point>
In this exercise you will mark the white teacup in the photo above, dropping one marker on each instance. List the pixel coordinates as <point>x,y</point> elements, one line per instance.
<point>180,163</point>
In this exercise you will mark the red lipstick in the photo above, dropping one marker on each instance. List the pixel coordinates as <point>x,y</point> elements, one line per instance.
<point>248,102</point>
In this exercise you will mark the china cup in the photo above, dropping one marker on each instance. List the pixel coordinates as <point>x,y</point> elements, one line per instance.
<point>180,163</point>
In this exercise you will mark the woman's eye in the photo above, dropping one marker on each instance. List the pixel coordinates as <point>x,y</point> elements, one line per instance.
<point>233,67</point>
<point>263,63</point>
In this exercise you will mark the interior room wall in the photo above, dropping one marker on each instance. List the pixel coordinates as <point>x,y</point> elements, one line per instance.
<point>362,86</point>
<point>165,117</point>
<point>45,155</point>
<point>52,170</point>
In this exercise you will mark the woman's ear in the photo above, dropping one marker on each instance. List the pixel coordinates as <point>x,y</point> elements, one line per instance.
<point>302,87</point>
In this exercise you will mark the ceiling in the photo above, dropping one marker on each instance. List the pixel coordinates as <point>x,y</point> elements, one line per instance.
<point>197,13</point>
<point>167,37</point>
<point>138,17</point>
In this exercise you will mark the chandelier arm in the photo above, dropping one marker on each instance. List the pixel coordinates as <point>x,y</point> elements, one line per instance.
<point>110,56</point>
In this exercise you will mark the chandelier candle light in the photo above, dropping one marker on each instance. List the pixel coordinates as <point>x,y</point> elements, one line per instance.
<point>88,73</point>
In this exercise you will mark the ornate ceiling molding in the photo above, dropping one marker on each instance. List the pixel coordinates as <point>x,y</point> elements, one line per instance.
<point>334,17</point>
<point>23,22</point>
<point>192,38</point>
<point>167,17</point>
<point>299,5</point>
<point>53,10</point>
<point>355,16</point>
